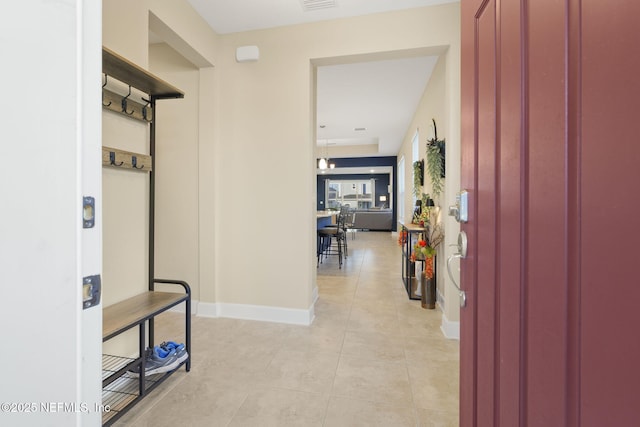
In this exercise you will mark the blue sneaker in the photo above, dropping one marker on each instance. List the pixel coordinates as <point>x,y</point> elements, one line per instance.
<point>179,349</point>
<point>161,351</point>
<point>158,361</point>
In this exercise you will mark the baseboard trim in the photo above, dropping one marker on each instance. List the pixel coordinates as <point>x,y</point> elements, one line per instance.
<point>180,308</point>
<point>257,312</point>
<point>207,309</point>
<point>450,330</point>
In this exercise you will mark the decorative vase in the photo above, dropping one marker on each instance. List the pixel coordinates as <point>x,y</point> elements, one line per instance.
<point>428,290</point>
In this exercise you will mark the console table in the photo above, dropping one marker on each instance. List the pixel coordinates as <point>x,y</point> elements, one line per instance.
<point>409,278</point>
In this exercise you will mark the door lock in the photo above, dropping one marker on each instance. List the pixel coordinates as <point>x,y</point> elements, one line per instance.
<point>460,211</point>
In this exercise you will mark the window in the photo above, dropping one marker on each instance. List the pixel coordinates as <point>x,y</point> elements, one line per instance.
<point>415,145</point>
<point>358,194</point>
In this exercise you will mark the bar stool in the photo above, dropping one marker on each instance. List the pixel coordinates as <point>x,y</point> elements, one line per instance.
<point>331,239</point>
<point>348,223</point>
<point>348,215</point>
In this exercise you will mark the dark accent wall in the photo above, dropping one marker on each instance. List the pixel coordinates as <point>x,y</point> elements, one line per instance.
<point>382,179</point>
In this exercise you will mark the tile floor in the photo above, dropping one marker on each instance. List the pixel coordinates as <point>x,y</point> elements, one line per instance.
<point>372,357</point>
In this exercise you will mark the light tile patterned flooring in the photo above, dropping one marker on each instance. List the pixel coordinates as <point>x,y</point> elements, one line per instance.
<point>372,357</point>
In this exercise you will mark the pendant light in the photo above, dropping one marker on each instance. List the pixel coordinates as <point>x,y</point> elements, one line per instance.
<point>324,161</point>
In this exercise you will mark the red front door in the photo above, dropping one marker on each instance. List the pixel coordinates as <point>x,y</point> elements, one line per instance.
<point>550,335</point>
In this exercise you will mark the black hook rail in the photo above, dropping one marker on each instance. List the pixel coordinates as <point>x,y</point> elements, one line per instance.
<point>126,105</point>
<point>126,159</point>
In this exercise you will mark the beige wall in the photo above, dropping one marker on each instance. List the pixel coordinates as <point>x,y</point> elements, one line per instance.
<point>124,215</point>
<point>270,102</point>
<point>176,219</point>
<point>125,193</point>
<point>255,151</point>
<point>434,105</point>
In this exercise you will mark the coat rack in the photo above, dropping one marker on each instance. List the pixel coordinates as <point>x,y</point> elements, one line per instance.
<point>134,95</point>
<point>118,68</point>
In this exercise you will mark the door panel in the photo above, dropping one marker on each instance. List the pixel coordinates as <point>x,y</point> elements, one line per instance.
<point>510,156</point>
<point>610,152</point>
<point>486,209</point>
<point>545,228</point>
<point>550,100</point>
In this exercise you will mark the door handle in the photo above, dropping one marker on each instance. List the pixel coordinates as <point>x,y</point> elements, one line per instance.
<point>462,253</point>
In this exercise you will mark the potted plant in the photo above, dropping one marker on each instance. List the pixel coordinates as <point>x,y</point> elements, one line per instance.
<point>425,250</point>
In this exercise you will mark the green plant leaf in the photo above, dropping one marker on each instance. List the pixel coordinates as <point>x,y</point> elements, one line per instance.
<point>435,167</point>
<point>417,178</point>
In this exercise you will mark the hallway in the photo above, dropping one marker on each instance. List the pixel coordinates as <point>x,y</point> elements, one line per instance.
<point>371,357</point>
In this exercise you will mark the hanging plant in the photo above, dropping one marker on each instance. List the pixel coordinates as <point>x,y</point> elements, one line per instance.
<point>435,162</point>
<point>418,178</point>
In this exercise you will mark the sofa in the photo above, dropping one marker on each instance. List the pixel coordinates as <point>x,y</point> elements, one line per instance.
<point>373,219</point>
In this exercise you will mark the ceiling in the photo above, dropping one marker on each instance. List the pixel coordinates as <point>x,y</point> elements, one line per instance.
<point>369,104</point>
<point>231,16</point>
<point>379,96</point>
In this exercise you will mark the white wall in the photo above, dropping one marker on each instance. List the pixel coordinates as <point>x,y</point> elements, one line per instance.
<point>50,133</point>
<point>89,131</point>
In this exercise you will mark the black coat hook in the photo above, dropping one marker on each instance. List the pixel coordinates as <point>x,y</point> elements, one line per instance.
<point>105,83</point>
<point>134,163</point>
<point>124,103</point>
<point>112,159</point>
<point>144,110</point>
<point>435,130</point>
